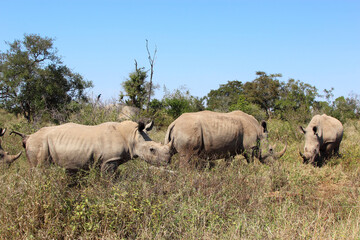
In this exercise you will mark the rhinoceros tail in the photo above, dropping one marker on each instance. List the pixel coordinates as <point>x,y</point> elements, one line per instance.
<point>168,136</point>
<point>24,137</point>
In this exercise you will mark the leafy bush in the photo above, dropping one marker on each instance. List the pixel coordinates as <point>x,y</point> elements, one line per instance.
<point>180,101</point>
<point>249,108</point>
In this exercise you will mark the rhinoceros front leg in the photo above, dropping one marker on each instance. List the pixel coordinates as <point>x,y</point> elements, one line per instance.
<point>110,166</point>
<point>247,157</point>
<point>250,158</point>
<point>184,161</point>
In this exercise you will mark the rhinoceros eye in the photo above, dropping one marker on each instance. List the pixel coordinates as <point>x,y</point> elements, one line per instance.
<point>153,150</point>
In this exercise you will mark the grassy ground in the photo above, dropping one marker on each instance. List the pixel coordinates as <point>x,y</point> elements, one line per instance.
<point>281,200</point>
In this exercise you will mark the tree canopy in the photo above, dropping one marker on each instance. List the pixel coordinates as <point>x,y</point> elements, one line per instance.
<point>264,91</point>
<point>225,96</point>
<point>135,88</point>
<point>34,78</point>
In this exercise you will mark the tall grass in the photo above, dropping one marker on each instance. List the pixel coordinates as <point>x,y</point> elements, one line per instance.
<point>281,200</point>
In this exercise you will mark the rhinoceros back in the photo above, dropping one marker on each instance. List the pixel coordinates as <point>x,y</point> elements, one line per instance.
<point>207,133</point>
<point>76,146</point>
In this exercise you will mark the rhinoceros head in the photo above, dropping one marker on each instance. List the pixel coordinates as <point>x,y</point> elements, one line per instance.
<point>312,144</point>
<point>152,152</point>
<point>267,150</point>
<point>5,158</point>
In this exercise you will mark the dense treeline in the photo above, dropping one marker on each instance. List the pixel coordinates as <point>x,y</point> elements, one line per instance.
<point>35,83</point>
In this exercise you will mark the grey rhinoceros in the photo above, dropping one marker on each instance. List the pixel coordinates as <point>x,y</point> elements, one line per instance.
<point>323,136</point>
<point>129,113</point>
<point>5,157</point>
<point>74,146</point>
<point>213,135</point>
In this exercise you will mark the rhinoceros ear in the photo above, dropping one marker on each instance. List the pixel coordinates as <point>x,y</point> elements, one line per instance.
<point>141,126</point>
<point>264,126</point>
<point>302,129</point>
<point>315,129</point>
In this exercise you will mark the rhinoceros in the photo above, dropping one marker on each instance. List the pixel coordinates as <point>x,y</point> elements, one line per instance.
<point>212,135</point>
<point>74,146</point>
<point>5,157</point>
<point>323,136</point>
<point>129,113</point>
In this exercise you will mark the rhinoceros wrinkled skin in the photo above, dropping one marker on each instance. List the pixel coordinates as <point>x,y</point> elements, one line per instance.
<point>5,157</point>
<point>323,136</point>
<point>212,135</point>
<point>74,146</point>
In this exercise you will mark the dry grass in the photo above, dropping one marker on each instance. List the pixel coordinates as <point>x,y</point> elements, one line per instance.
<point>282,200</point>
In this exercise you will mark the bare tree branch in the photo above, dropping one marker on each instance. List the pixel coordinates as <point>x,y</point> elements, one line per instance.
<point>151,61</point>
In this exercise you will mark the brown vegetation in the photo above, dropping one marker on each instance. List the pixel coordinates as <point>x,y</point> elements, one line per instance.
<point>280,200</point>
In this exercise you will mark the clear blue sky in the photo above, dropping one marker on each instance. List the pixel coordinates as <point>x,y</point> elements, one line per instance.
<point>201,44</point>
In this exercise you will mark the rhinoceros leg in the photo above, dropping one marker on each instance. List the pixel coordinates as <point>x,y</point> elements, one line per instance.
<point>336,150</point>
<point>190,159</point>
<point>327,150</point>
<point>247,157</point>
<point>184,161</point>
<point>110,166</point>
<point>249,154</point>
<point>228,160</point>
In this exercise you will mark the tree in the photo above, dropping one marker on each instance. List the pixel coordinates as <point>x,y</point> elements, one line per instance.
<point>248,107</point>
<point>295,100</point>
<point>263,91</point>
<point>180,101</point>
<point>341,108</point>
<point>34,79</point>
<point>135,88</point>
<point>345,108</point>
<point>225,96</point>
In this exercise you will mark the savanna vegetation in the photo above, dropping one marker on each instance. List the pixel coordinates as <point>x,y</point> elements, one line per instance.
<point>285,199</point>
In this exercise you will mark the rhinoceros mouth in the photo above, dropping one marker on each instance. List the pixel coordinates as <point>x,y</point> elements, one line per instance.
<point>308,159</point>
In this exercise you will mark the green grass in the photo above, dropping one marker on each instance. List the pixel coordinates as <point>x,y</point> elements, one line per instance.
<point>282,200</point>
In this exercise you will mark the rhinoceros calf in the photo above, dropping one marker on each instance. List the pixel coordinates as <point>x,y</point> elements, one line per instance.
<point>323,136</point>
<point>212,135</point>
<point>74,146</point>
<point>5,157</point>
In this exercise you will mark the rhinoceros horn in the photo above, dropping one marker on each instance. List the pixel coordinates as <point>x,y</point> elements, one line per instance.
<point>12,158</point>
<point>2,131</point>
<point>8,158</point>
<point>281,153</point>
<point>302,155</point>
